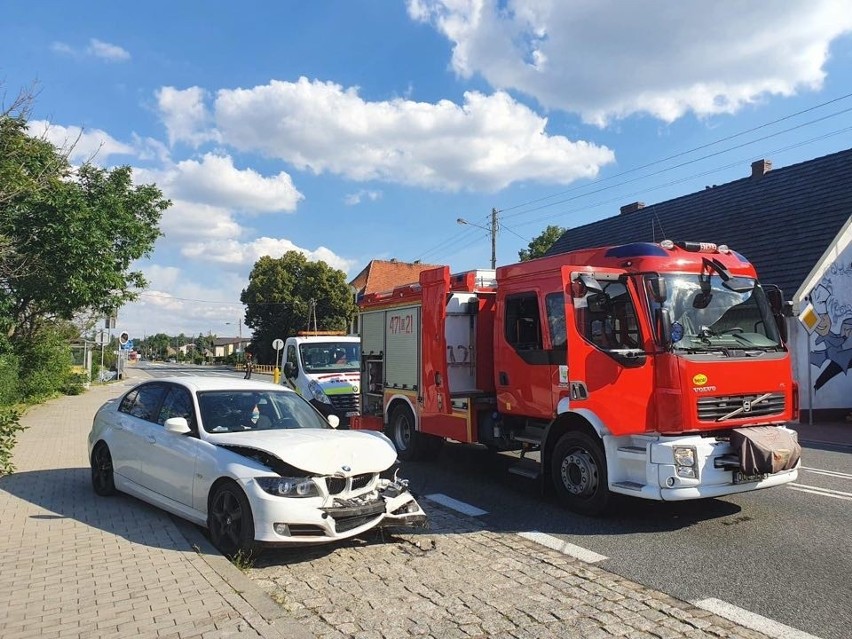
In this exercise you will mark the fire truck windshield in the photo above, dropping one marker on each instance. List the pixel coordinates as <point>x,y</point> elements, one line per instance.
<point>711,314</point>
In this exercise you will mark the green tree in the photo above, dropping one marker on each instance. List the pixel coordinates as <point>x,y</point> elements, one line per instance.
<point>70,235</point>
<point>539,244</point>
<point>278,300</point>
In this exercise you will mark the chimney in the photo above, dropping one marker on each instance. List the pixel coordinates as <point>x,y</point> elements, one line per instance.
<point>760,168</point>
<point>632,208</point>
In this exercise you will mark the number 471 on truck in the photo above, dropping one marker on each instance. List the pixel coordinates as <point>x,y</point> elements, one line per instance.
<point>652,370</point>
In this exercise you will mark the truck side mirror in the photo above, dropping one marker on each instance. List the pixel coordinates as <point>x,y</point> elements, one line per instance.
<point>663,320</point>
<point>289,369</point>
<point>775,298</point>
<point>657,288</point>
<point>599,303</point>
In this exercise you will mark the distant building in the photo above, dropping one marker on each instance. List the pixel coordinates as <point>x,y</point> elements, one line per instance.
<point>793,224</point>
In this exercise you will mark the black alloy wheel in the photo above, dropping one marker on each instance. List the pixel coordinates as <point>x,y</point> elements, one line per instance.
<point>230,521</point>
<point>103,480</point>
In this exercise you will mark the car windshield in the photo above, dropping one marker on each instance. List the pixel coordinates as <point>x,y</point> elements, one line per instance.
<point>331,357</point>
<point>711,314</point>
<point>237,411</point>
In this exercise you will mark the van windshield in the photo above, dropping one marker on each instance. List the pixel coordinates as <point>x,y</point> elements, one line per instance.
<point>331,357</point>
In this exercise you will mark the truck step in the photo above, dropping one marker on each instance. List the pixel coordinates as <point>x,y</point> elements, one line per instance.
<point>632,452</point>
<point>629,485</point>
<point>526,468</point>
<point>527,438</point>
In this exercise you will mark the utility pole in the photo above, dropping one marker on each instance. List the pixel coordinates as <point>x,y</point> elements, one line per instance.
<point>493,238</point>
<point>492,228</point>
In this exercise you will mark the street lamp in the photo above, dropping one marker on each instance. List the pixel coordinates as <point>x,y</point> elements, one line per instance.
<point>492,228</point>
<point>239,335</point>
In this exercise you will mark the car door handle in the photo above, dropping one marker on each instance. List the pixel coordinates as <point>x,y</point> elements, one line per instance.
<point>504,378</point>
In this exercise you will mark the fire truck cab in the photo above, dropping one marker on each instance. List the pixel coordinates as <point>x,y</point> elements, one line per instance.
<point>642,369</point>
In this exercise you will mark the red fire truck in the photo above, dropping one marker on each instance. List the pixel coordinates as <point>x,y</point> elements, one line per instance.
<point>653,370</point>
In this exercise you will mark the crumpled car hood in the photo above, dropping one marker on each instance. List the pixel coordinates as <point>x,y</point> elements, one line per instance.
<point>324,452</point>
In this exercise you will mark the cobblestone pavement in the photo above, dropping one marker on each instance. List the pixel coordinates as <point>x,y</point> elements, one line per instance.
<point>458,580</point>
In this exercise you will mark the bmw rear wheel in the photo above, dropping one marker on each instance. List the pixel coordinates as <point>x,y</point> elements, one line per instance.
<point>103,480</point>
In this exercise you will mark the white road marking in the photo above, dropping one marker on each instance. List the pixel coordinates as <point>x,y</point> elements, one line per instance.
<point>827,473</point>
<point>455,504</point>
<point>554,543</point>
<point>825,492</point>
<point>751,620</point>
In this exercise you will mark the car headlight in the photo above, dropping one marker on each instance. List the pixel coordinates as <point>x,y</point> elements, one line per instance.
<point>288,486</point>
<point>317,393</point>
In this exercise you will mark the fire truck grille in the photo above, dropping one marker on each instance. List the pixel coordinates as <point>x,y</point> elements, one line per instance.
<point>712,409</point>
<point>345,403</point>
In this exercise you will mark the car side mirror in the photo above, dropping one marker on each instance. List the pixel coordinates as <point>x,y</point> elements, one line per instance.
<point>177,425</point>
<point>289,369</point>
<point>333,421</point>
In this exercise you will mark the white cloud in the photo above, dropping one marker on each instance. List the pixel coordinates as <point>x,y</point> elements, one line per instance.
<point>609,59</point>
<point>353,199</point>
<point>214,180</point>
<point>62,48</point>
<point>96,48</point>
<point>185,115</point>
<point>107,51</point>
<point>234,253</point>
<point>487,143</point>
<point>192,221</point>
<point>80,144</point>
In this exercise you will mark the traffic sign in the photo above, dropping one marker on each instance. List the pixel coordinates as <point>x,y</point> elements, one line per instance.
<point>278,344</point>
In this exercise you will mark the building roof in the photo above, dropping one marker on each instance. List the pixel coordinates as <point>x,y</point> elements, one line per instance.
<point>383,275</point>
<point>782,220</point>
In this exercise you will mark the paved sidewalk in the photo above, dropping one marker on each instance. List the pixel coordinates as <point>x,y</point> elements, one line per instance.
<point>76,565</point>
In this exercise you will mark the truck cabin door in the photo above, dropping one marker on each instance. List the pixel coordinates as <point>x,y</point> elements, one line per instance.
<point>610,372</point>
<point>525,360</point>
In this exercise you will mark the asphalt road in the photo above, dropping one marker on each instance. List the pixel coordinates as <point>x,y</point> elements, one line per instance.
<point>784,553</point>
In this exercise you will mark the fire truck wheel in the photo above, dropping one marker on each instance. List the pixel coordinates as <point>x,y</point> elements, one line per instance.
<point>578,471</point>
<point>403,433</point>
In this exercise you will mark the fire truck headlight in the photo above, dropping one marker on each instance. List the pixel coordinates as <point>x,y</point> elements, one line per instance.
<point>317,393</point>
<point>685,461</point>
<point>684,456</point>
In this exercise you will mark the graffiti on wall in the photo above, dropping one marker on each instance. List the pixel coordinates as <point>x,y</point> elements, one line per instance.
<point>831,300</point>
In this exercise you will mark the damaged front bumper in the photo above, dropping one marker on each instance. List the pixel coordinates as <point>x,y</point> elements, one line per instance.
<point>325,519</point>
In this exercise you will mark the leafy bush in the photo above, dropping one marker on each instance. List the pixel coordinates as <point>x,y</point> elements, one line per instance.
<point>44,365</point>
<point>75,383</point>
<point>9,429</point>
<point>9,384</point>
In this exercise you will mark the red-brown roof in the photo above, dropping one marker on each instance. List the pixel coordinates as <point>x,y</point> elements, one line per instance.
<point>383,275</point>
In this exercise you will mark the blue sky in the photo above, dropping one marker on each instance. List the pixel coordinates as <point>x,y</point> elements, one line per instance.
<point>356,130</point>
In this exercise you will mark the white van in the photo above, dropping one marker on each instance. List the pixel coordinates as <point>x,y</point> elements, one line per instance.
<point>325,370</point>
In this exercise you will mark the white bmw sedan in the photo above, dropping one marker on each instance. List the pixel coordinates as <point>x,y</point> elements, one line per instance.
<point>250,460</point>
